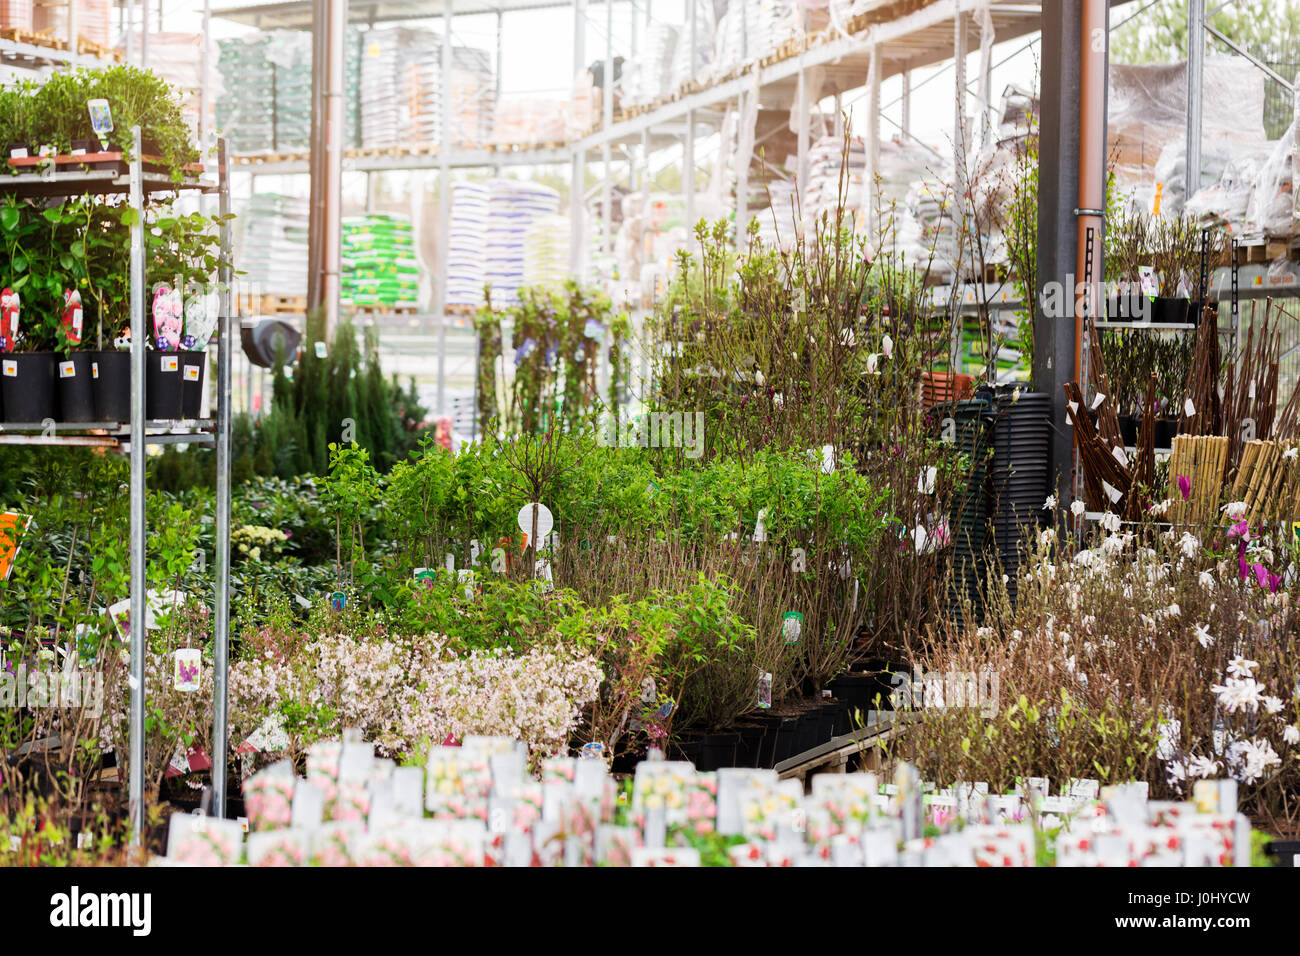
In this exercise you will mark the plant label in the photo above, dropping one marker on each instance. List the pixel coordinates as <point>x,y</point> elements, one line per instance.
<point>94,370</point>
<point>338,600</point>
<point>765,691</point>
<point>545,520</point>
<point>169,363</point>
<point>9,368</point>
<point>192,373</point>
<point>321,351</point>
<point>67,370</point>
<point>185,669</point>
<point>101,117</point>
<point>792,626</point>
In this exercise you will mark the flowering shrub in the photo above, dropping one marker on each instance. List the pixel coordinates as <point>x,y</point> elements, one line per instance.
<point>1154,653</point>
<point>250,540</point>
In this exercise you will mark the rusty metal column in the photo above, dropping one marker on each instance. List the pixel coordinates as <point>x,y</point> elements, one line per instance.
<point>1090,212</point>
<point>328,28</point>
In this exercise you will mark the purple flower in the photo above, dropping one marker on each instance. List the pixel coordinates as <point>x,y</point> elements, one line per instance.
<point>1240,529</point>
<point>1261,574</point>
<point>1185,486</point>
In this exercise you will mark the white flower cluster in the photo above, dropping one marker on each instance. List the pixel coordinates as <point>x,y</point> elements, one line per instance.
<point>250,539</point>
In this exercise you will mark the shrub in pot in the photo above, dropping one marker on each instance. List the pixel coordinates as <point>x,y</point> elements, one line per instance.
<point>76,391</point>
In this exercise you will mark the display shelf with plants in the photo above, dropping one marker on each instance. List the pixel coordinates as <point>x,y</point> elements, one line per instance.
<point>88,257</point>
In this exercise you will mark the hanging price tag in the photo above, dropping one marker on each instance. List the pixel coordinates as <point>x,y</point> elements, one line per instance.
<point>185,669</point>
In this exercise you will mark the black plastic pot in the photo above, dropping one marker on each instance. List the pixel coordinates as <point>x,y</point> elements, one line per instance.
<point>1284,852</point>
<point>805,732</point>
<point>1128,428</point>
<point>787,736</point>
<point>688,746</point>
<point>193,375</point>
<point>856,690</point>
<point>1166,310</point>
<point>1165,430</point>
<point>76,388</point>
<point>840,721</point>
<point>162,386</point>
<point>719,750</point>
<point>749,744</point>
<point>1128,307</point>
<point>110,373</point>
<point>27,386</point>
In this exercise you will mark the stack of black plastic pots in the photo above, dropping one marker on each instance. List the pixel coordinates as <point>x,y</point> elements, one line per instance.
<point>969,520</point>
<point>1020,480</point>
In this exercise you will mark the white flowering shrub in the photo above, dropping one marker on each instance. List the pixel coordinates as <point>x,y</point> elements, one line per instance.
<point>1153,653</point>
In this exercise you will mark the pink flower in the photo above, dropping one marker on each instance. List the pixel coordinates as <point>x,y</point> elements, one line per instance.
<point>1185,486</point>
<point>1240,529</point>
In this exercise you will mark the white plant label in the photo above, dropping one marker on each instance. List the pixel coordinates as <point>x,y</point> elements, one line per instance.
<point>169,363</point>
<point>192,373</point>
<point>185,669</point>
<point>1188,408</point>
<point>545,520</point>
<point>67,370</point>
<point>9,368</point>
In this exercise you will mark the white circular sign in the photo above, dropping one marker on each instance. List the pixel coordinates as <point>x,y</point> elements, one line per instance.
<point>545,520</point>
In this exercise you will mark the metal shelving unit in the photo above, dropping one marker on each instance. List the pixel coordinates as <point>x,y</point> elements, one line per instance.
<point>134,436</point>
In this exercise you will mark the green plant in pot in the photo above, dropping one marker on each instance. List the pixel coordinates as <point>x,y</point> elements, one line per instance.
<point>18,120</point>
<point>1175,253</point>
<point>36,277</point>
<point>1127,249</point>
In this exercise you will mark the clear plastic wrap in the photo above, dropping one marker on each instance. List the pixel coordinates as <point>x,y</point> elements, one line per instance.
<point>1226,202</point>
<point>1147,111</point>
<point>16,14</point>
<point>1272,204</point>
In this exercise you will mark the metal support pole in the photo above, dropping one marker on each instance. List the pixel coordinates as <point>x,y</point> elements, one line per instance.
<point>221,595</point>
<point>577,181</point>
<point>205,64</point>
<point>959,51</point>
<point>1092,169</point>
<point>316,179</point>
<point>138,634</point>
<point>872,144</point>
<point>331,233</point>
<point>987,39</point>
<point>693,28</point>
<point>444,204</point>
<point>688,171</point>
<point>907,104</point>
<point>1058,174</point>
<point>607,121</point>
<point>74,31</point>
<point>744,157</point>
<point>144,34</point>
<point>801,139</point>
<point>1195,78</point>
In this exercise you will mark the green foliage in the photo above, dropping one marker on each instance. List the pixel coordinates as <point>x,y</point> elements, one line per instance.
<point>54,113</point>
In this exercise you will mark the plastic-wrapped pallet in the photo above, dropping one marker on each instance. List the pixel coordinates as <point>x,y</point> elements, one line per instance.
<point>16,14</point>
<point>778,226</point>
<point>93,19</point>
<point>513,207</point>
<point>178,59</point>
<point>751,30</point>
<point>825,166</point>
<point>380,265</point>
<point>686,66</point>
<point>246,112</point>
<point>472,97</point>
<point>271,244</point>
<point>1147,111</point>
<point>467,244</point>
<point>1226,203</point>
<point>289,53</point>
<point>650,74</point>
<point>525,121</point>
<point>931,204</point>
<point>1272,204</point>
<point>546,251</point>
<point>400,97</point>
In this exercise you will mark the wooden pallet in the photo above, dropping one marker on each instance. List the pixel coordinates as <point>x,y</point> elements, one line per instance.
<point>252,304</point>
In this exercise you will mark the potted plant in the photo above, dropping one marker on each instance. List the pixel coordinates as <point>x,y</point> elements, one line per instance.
<point>1176,258</point>
<point>32,282</point>
<point>1126,249</point>
<point>1173,364</point>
